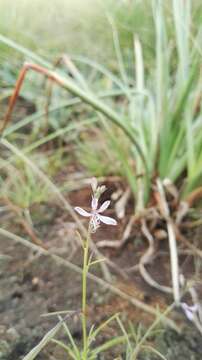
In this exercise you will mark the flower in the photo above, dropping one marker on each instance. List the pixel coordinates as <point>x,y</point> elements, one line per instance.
<point>190,310</point>
<point>95,217</point>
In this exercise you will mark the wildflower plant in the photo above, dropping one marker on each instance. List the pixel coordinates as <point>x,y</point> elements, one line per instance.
<point>72,349</point>
<point>94,223</point>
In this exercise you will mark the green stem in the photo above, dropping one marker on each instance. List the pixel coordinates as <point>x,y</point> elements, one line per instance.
<point>84,295</point>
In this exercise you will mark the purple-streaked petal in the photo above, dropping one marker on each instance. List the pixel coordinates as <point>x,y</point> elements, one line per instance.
<point>94,203</point>
<point>107,220</point>
<point>104,206</point>
<point>189,310</point>
<point>82,212</point>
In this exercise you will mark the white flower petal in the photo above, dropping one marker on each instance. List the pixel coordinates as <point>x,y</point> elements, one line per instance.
<point>107,220</point>
<point>82,212</point>
<point>104,206</point>
<point>189,310</point>
<point>94,203</point>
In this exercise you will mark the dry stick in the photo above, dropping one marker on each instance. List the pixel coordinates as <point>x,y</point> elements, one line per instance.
<point>120,206</point>
<point>137,303</point>
<point>172,242</point>
<point>146,258</point>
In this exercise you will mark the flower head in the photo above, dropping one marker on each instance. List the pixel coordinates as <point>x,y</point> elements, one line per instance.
<point>190,310</point>
<point>94,214</point>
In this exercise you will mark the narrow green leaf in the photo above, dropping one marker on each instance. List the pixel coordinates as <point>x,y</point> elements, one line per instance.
<point>46,339</point>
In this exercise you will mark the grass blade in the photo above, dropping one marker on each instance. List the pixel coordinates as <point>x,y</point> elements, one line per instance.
<point>46,339</point>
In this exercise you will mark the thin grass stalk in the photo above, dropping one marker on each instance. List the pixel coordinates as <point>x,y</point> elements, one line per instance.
<point>118,52</point>
<point>142,193</point>
<point>181,16</point>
